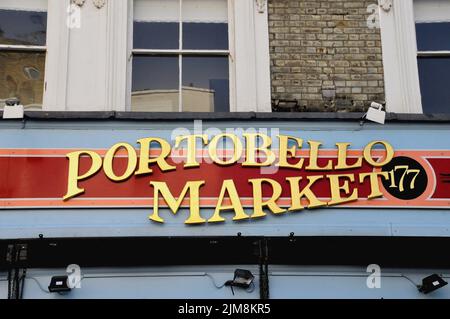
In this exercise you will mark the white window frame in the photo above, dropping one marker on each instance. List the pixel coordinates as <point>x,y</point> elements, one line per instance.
<point>400,54</point>
<point>180,52</point>
<point>31,48</point>
<point>401,74</point>
<point>56,64</point>
<point>249,58</point>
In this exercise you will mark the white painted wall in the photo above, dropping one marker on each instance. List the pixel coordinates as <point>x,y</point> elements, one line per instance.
<point>401,75</point>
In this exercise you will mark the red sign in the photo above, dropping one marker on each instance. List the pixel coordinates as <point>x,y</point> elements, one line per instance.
<point>38,178</point>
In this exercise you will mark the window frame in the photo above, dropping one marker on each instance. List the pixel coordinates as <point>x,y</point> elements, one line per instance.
<point>180,52</point>
<point>400,58</point>
<point>32,49</point>
<point>249,57</point>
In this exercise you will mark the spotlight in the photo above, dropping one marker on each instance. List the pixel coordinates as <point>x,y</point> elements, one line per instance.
<point>13,109</point>
<point>375,113</point>
<point>242,279</point>
<point>431,283</point>
<point>59,284</point>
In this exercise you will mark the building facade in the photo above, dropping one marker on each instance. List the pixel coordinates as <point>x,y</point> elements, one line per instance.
<point>168,141</point>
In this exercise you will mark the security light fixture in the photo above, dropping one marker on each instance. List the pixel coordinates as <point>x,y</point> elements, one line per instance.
<point>431,283</point>
<point>242,279</point>
<point>13,109</point>
<point>59,284</point>
<point>375,114</point>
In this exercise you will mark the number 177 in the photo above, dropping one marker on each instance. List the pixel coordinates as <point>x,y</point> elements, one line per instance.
<point>406,171</point>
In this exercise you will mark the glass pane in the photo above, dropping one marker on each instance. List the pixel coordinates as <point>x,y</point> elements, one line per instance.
<point>206,84</point>
<point>23,27</point>
<point>155,86</point>
<point>205,36</point>
<point>433,36</point>
<point>205,24</point>
<point>434,75</point>
<point>156,35</point>
<point>426,11</point>
<point>156,24</point>
<point>22,77</point>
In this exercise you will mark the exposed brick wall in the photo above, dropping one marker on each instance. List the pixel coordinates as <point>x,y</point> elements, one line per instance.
<point>324,55</point>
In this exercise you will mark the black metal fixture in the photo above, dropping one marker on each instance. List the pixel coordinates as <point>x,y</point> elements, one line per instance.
<point>59,284</point>
<point>431,283</point>
<point>12,102</point>
<point>242,279</point>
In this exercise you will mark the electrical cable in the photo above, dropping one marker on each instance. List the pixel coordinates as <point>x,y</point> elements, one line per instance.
<point>9,283</point>
<point>39,285</point>
<point>251,288</point>
<point>410,280</point>
<point>214,281</point>
<point>22,282</point>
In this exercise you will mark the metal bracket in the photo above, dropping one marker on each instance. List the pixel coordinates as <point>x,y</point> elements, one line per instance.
<point>261,5</point>
<point>386,5</point>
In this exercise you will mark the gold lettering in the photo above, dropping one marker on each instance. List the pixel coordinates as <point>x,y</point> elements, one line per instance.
<point>368,153</point>
<point>109,159</point>
<point>374,184</point>
<point>314,157</point>
<point>336,189</point>
<point>237,149</point>
<point>271,204</point>
<point>229,188</point>
<point>286,152</point>
<point>74,163</point>
<point>252,150</point>
<point>297,195</point>
<point>160,160</point>
<point>174,204</point>
<point>191,140</point>
<point>342,157</point>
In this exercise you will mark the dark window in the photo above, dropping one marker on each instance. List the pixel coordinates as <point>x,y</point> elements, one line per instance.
<point>433,43</point>
<point>205,36</point>
<point>181,60</point>
<point>23,36</point>
<point>156,35</point>
<point>435,84</point>
<point>206,77</point>
<point>23,27</point>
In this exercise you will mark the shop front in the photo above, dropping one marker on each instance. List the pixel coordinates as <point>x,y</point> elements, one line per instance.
<point>248,205</point>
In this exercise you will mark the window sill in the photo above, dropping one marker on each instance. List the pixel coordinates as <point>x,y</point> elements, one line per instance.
<point>232,116</point>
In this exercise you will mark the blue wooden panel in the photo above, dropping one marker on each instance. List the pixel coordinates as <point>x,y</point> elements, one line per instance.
<point>134,222</point>
<point>196,282</point>
<point>27,223</point>
<point>170,282</point>
<point>105,134</point>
